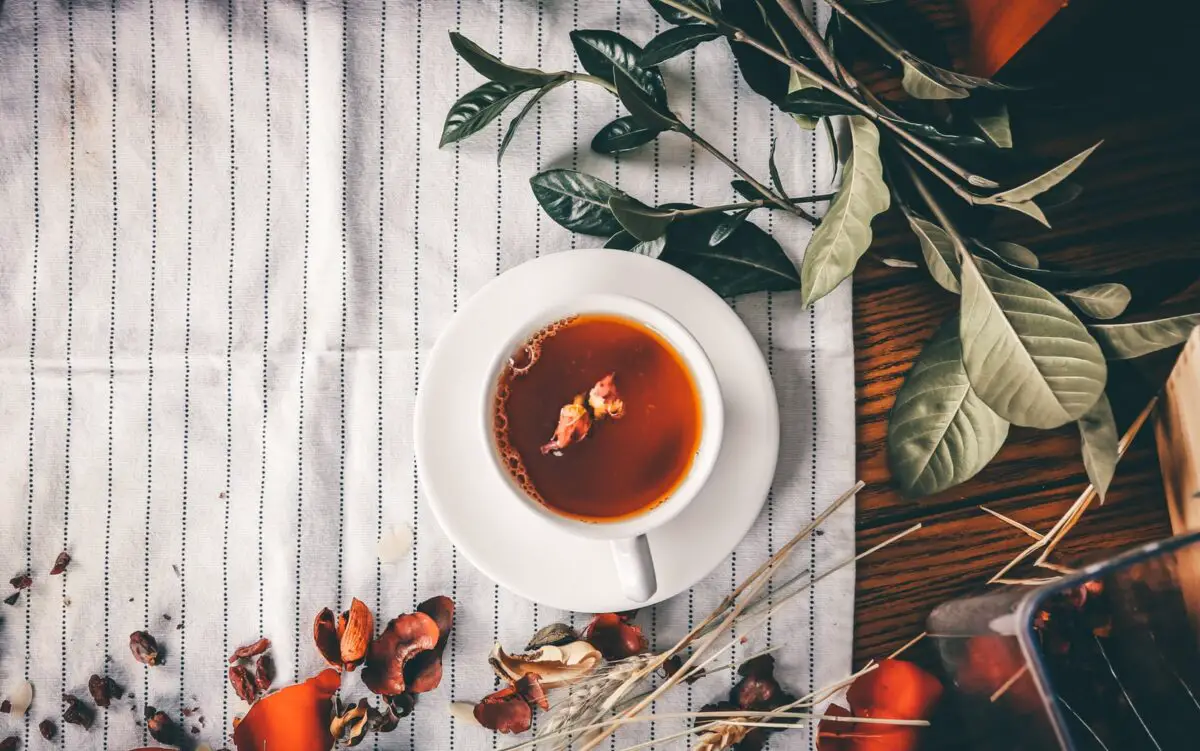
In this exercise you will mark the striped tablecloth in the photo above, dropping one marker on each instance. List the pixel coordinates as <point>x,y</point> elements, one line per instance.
<point>227,241</point>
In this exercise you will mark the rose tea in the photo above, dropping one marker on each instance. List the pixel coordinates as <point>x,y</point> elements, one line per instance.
<point>597,418</point>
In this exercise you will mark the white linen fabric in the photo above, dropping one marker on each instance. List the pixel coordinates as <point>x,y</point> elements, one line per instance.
<point>228,240</point>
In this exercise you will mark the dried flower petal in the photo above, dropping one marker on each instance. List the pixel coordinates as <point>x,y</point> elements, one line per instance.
<point>243,683</point>
<point>325,635</point>
<point>19,699</point>
<point>145,648</point>
<point>505,711</point>
<point>605,400</point>
<point>48,729</point>
<point>103,690</point>
<point>295,718</point>
<point>264,673</point>
<point>77,713</point>
<point>554,635</point>
<point>529,686</point>
<point>250,650</point>
<point>556,666</point>
<point>355,630</point>
<point>615,636</point>
<point>395,543</point>
<point>573,425</point>
<point>404,636</point>
<point>60,563</point>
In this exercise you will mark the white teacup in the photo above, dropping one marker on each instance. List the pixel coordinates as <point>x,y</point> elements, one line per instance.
<point>627,535</point>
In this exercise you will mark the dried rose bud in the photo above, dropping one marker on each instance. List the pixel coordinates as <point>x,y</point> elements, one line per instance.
<point>605,400</point>
<point>161,728</point>
<point>243,684</point>
<point>574,422</point>
<point>103,690</point>
<point>61,563</point>
<point>145,648</point>
<point>48,729</point>
<point>615,636</point>
<point>264,672</point>
<point>250,650</point>
<point>10,743</point>
<point>76,713</point>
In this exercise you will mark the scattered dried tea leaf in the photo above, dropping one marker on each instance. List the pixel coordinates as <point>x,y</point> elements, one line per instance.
<point>295,718</point>
<point>250,650</point>
<point>355,629</point>
<point>395,543</point>
<point>556,666</point>
<point>48,729</point>
<point>21,581</point>
<point>615,636</point>
<point>162,728</point>
<point>12,599</point>
<point>404,637</point>
<point>530,687</point>
<point>264,673</point>
<point>325,635</point>
<point>504,711</point>
<point>60,563</point>
<point>605,400</point>
<point>243,683</point>
<point>76,712</point>
<point>103,690</point>
<point>10,743</point>
<point>19,699</point>
<point>573,425</point>
<point>554,635</point>
<point>145,648</point>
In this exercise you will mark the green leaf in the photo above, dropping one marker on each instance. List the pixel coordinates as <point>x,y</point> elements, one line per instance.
<point>623,134</point>
<point>493,68</point>
<point>641,221</point>
<point>939,252</point>
<point>815,103</point>
<point>899,263</point>
<point>622,240</point>
<point>933,135</point>
<point>994,123</point>
<point>845,232</point>
<point>1098,439</point>
<point>1125,341</point>
<point>576,200</point>
<point>1028,357</point>
<point>940,433</point>
<point>776,181</point>
<point>1041,183</point>
<point>602,52</point>
<point>766,76</point>
<point>728,226</point>
<point>1101,301</point>
<point>675,41</point>
<point>516,121</point>
<point>678,17</point>
<point>748,191</point>
<point>1017,255</point>
<point>796,83</point>
<point>477,108</point>
<point>921,85</point>
<point>749,260</point>
<point>645,111</point>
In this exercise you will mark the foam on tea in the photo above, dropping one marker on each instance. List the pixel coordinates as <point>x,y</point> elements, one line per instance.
<point>597,418</point>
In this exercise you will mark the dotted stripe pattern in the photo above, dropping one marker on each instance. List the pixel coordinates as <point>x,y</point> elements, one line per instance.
<point>266,330</point>
<point>70,294</point>
<point>187,363</point>
<point>112,343</point>
<point>229,356</point>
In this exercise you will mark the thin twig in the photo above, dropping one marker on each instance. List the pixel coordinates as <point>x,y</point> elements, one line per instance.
<point>1004,687</point>
<point>1013,522</point>
<point>907,646</point>
<point>775,199</point>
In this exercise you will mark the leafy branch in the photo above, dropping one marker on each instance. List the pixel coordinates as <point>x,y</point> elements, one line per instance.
<point>1016,353</point>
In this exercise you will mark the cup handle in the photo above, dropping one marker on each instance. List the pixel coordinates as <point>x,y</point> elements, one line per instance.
<point>635,567</point>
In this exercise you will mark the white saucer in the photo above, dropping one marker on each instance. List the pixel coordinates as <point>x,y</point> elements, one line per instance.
<point>477,510</point>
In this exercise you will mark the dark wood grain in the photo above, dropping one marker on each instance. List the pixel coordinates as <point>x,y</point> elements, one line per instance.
<point>1141,202</point>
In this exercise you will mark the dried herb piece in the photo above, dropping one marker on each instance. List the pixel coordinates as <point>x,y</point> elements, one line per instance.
<point>48,729</point>
<point>10,743</point>
<point>404,637</point>
<point>162,728</point>
<point>556,666</point>
<point>21,581</point>
<point>103,690</point>
<point>605,400</point>
<point>12,599</point>
<point>615,636</point>
<point>145,648</point>
<point>349,726</point>
<point>77,713</point>
<point>504,711</point>
<point>243,683</point>
<point>554,635</point>
<point>574,422</point>
<point>5,707</point>
<point>326,637</point>
<point>60,563</point>
<point>355,629</point>
<point>250,650</point>
<point>264,672</point>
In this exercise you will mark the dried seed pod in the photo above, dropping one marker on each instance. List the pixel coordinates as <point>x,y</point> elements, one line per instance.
<point>355,630</point>
<point>76,713</point>
<point>243,684</point>
<point>103,690</point>
<point>250,650</point>
<point>145,648</point>
<point>264,673</point>
<point>504,711</point>
<point>48,729</point>
<point>554,635</point>
<point>404,637</point>
<point>325,635</point>
<point>60,563</point>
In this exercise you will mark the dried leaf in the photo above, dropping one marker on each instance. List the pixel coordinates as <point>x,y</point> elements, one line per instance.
<point>1098,436</point>
<point>1123,341</point>
<point>938,250</point>
<point>1017,255</point>
<point>554,635</point>
<point>1041,183</point>
<point>1102,301</point>
<point>250,650</point>
<point>921,85</point>
<point>995,125</point>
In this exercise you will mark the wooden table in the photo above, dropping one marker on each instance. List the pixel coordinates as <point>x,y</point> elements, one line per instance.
<point>1141,200</point>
